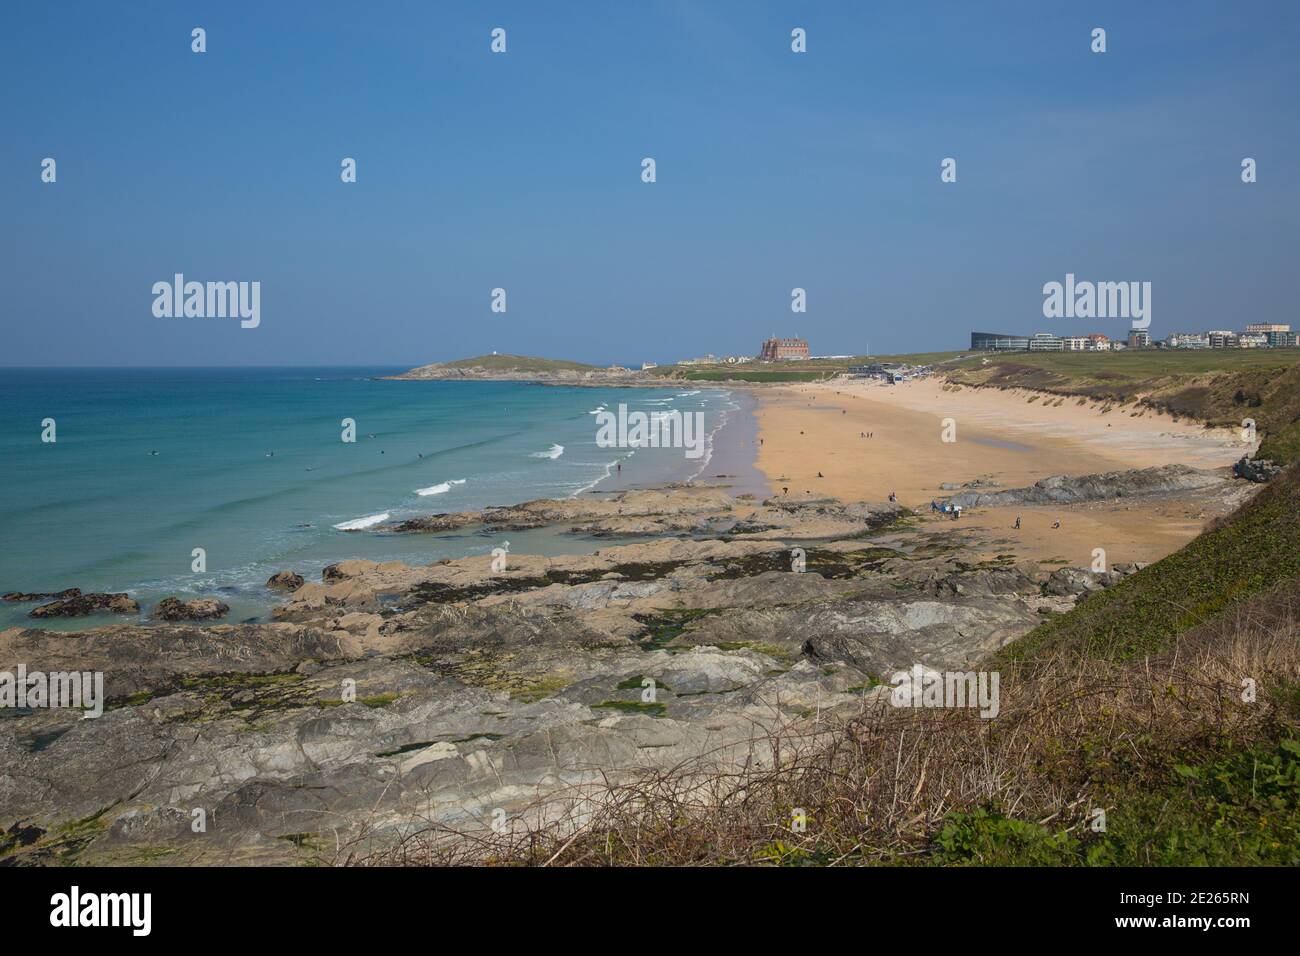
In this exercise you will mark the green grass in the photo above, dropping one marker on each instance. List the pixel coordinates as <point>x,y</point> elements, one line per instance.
<point>809,370</point>
<point>756,375</point>
<point>1237,809</point>
<point>519,363</point>
<point>1132,365</point>
<point>635,683</point>
<point>632,707</point>
<point>1253,550</point>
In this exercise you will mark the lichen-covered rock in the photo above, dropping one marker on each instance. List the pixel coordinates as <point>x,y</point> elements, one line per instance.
<point>1068,489</point>
<point>1256,469</point>
<point>49,596</point>
<point>80,605</point>
<point>198,609</point>
<point>1065,581</point>
<point>285,581</point>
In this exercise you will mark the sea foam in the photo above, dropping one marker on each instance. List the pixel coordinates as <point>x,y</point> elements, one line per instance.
<point>439,489</point>
<point>555,451</point>
<point>360,524</point>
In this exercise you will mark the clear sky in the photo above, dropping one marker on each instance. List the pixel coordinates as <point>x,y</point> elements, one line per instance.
<point>523,171</point>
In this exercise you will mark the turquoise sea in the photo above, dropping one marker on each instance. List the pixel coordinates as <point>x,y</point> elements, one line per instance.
<point>249,465</point>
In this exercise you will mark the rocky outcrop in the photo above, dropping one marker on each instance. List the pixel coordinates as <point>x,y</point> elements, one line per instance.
<point>388,696</point>
<point>58,595</point>
<point>526,369</point>
<point>1256,469</point>
<point>285,581</point>
<point>681,510</point>
<point>79,605</point>
<point>198,609</point>
<point>1066,489</point>
<point>436,523</point>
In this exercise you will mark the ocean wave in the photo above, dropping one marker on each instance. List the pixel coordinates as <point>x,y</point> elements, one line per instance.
<point>688,394</point>
<point>439,489</point>
<point>555,451</point>
<point>360,524</point>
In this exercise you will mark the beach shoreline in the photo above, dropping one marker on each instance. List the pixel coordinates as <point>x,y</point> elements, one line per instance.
<point>867,440</point>
<point>730,459</point>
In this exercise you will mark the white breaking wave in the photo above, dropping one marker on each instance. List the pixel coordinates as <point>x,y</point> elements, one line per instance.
<point>688,394</point>
<point>360,524</point>
<point>555,451</point>
<point>439,489</point>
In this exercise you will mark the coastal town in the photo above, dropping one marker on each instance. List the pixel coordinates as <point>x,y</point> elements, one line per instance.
<point>1261,335</point>
<point>1255,335</point>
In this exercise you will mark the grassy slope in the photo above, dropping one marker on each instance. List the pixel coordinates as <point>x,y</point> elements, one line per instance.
<point>1207,800</point>
<point>1217,386</point>
<point>1250,552</point>
<point>518,363</point>
<point>802,371</point>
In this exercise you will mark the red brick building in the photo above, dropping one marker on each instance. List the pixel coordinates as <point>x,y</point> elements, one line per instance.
<point>775,349</point>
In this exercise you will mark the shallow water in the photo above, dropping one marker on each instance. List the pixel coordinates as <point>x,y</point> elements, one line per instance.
<point>249,465</point>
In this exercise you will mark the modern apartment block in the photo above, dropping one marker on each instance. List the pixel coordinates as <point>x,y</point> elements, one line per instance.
<point>998,342</point>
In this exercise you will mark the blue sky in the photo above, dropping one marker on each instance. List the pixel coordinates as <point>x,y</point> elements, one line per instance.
<point>522,171</point>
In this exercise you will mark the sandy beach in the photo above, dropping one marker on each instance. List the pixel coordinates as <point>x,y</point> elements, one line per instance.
<point>1012,437</point>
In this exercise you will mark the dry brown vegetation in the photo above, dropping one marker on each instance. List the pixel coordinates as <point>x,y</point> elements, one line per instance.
<point>891,785</point>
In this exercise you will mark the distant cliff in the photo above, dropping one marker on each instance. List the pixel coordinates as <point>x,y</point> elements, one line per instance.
<point>525,368</point>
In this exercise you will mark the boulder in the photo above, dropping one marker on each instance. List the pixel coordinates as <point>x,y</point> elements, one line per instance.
<point>1068,489</point>
<point>199,609</point>
<point>1065,581</point>
<point>285,581</point>
<point>1256,469</point>
<point>80,605</point>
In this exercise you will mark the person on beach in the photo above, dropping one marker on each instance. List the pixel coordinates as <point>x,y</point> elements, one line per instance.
<point>1017,522</point>
<point>1056,523</point>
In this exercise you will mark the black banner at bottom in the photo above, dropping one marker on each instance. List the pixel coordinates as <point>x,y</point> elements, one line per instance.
<point>342,906</point>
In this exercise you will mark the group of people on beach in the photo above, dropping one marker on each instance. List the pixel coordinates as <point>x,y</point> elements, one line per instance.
<point>945,508</point>
<point>955,510</point>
